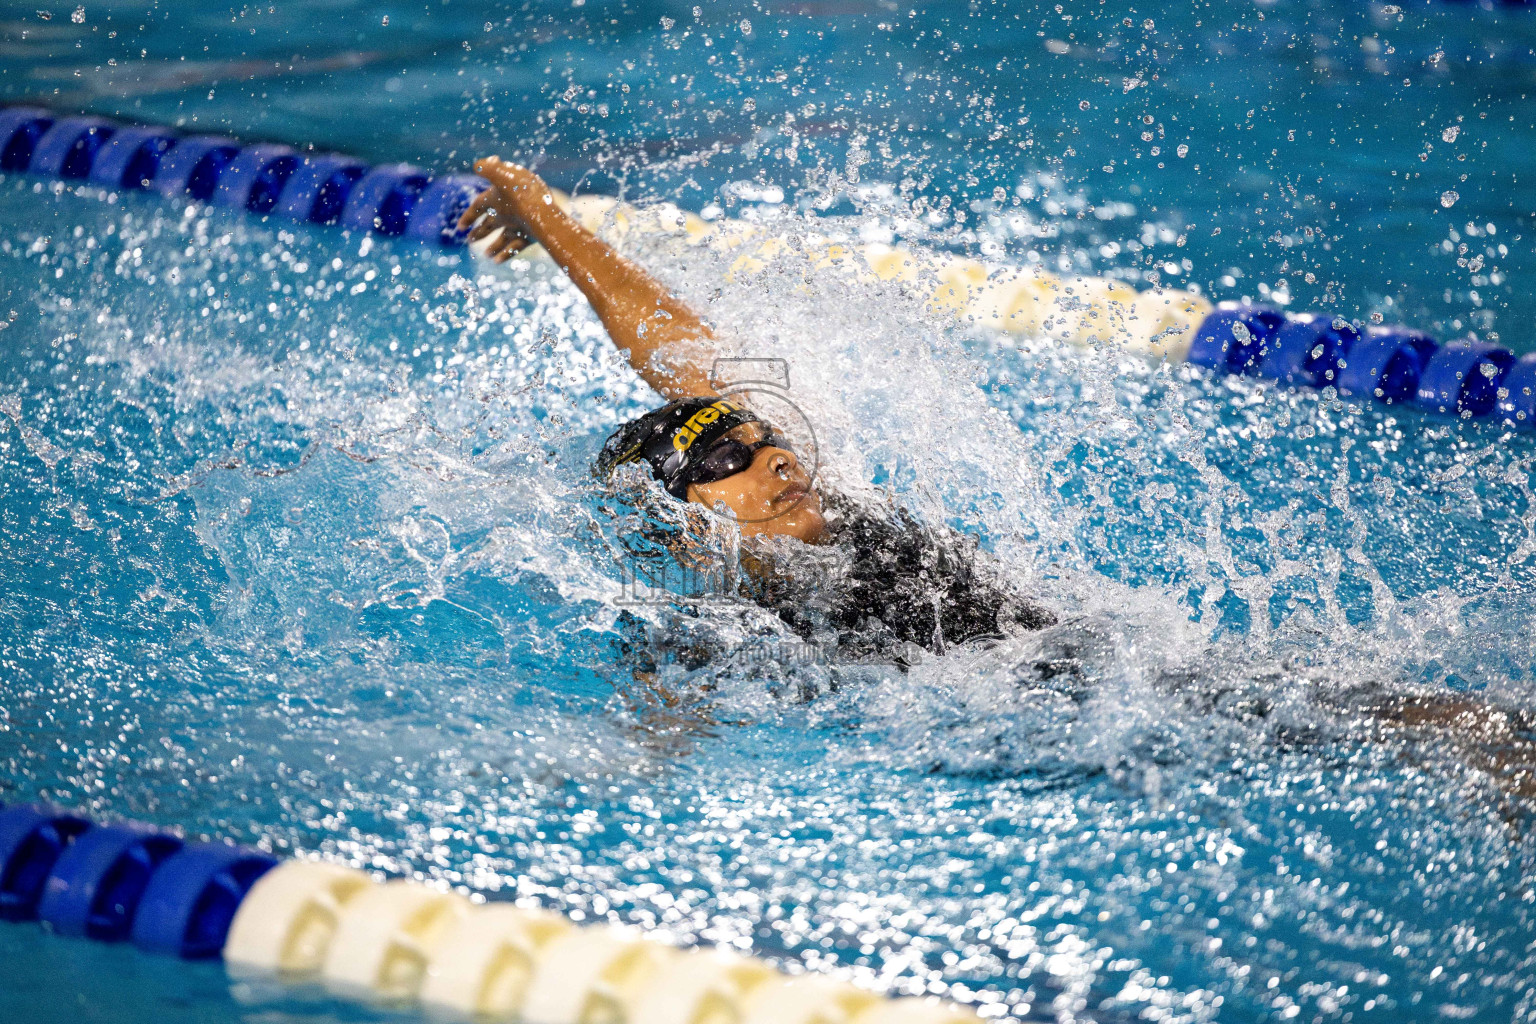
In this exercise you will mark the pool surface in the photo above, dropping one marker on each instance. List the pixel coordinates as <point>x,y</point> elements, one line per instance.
<point>299,542</point>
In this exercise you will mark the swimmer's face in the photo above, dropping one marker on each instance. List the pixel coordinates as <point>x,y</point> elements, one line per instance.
<point>771,497</point>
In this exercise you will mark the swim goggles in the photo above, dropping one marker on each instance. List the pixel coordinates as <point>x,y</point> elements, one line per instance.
<point>685,442</point>
<point>725,458</point>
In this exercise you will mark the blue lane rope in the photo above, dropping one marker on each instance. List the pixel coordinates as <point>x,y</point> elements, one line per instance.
<point>268,180</point>
<point>1393,365</point>
<point>394,943</point>
<point>125,881</point>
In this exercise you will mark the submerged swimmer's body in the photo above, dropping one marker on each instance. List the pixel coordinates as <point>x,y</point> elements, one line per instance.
<point>902,584</point>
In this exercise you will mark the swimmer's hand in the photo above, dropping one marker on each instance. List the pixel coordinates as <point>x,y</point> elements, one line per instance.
<point>642,315</point>
<point>504,207</point>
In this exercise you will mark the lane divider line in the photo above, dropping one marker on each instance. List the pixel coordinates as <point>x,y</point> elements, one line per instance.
<point>261,179</point>
<point>1392,365</point>
<point>395,944</point>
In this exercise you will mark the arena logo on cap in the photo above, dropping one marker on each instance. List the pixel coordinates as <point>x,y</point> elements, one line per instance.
<point>689,432</point>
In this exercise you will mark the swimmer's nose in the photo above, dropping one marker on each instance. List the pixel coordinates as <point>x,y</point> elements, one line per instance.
<point>783,463</point>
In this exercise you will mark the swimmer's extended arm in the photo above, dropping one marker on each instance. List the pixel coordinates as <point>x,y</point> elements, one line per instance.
<point>1499,741</point>
<point>667,343</point>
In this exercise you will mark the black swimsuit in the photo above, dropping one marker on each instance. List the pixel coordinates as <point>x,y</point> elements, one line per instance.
<point>886,583</point>
<point>884,590</point>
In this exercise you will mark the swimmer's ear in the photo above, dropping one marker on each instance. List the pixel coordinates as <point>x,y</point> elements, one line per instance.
<point>690,546</point>
<point>690,551</point>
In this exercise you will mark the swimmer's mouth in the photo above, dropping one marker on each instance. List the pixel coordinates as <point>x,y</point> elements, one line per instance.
<point>792,493</point>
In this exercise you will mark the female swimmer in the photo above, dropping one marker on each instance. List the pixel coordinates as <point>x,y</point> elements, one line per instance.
<point>901,584</point>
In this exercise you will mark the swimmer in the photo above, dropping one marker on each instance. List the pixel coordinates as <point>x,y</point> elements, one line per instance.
<point>901,585</point>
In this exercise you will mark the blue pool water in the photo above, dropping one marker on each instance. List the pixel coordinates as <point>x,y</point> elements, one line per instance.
<point>299,543</point>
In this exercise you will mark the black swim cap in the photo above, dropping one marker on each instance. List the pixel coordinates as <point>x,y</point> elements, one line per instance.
<point>672,438</point>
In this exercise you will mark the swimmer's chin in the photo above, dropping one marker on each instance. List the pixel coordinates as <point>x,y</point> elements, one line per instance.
<point>804,523</point>
<point>812,529</point>
<point>805,520</point>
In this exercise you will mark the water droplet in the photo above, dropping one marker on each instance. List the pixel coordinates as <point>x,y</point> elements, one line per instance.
<point>1448,198</point>
<point>1449,135</point>
<point>79,16</point>
<point>1183,150</point>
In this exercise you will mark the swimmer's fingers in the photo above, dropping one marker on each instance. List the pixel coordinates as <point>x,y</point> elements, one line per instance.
<point>484,218</point>
<point>508,176</point>
<point>478,208</point>
<point>500,243</point>
<point>507,246</point>
<point>491,216</point>
<point>489,225</point>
